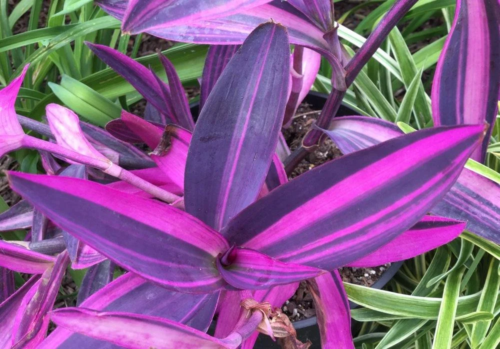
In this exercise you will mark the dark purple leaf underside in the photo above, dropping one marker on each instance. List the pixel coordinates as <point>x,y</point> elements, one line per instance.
<point>218,57</point>
<point>318,11</point>
<point>8,310</point>
<point>97,277</point>
<point>141,235</point>
<point>144,81</point>
<point>119,129</point>
<point>19,216</point>
<point>237,131</point>
<point>467,80</point>
<point>152,114</point>
<point>473,198</point>
<point>39,226</point>
<point>350,207</point>
<point>146,131</point>
<point>7,284</point>
<point>133,294</point>
<point>115,8</point>
<point>332,311</point>
<point>276,175</point>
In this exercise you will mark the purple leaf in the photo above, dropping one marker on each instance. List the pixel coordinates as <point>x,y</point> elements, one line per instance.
<point>97,277</point>
<point>65,127</point>
<point>347,208</point>
<point>119,129</point>
<point>7,284</point>
<point>428,234</point>
<point>19,216</point>
<point>318,11</point>
<point>178,97</point>
<point>135,295</point>
<point>31,320</point>
<point>332,311</point>
<point>115,8</point>
<point>138,234</point>
<point>171,154</point>
<point>226,166</point>
<point>19,259</point>
<point>276,175</point>
<point>39,226</point>
<point>49,163</point>
<point>473,198</point>
<point>132,331</point>
<point>146,131</point>
<point>140,77</point>
<point>8,311</point>
<point>152,114</point>
<point>353,133</point>
<point>251,270</point>
<point>467,80</point>
<point>140,17</point>
<point>218,57</point>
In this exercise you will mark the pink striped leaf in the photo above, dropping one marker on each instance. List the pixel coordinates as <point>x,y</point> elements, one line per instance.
<point>19,216</point>
<point>8,311</point>
<point>146,131</point>
<point>350,207</point>
<point>251,270</point>
<point>218,57</point>
<point>467,80</point>
<point>140,77</point>
<point>318,11</point>
<point>133,331</point>
<point>19,259</point>
<point>145,15</point>
<point>332,311</point>
<point>428,234</point>
<point>473,198</point>
<point>137,234</point>
<point>133,294</point>
<point>237,131</point>
<point>171,154</point>
<point>65,127</point>
<point>32,321</point>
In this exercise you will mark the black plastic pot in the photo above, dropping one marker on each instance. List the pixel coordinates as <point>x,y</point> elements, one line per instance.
<point>308,329</point>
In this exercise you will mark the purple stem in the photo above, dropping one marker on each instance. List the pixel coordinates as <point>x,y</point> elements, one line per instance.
<point>297,81</point>
<point>354,66</point>
<point>104,165</point>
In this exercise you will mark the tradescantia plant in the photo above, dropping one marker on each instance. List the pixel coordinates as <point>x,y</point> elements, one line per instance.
<point>232,236</point>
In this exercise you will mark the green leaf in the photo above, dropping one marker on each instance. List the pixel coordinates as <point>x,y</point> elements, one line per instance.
<point>448,310</point>
<point>85,101</point>
<point>486,303</point>
<point>21,8</point>
<point>405,305</point>
<point>72,5</point>
<point>465,252</point>
<point>486,245</point>
<point>406,107</point>
<point>493,338</point>
<point>408,72</point>
<point>479,316</point>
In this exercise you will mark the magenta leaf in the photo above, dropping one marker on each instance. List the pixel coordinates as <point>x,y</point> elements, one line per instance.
<point>218,57</point>
<point>251,270</point>
<point>140,17</point>
<point>428,234</point>
<point>332,311</point>
<point>171,154</point>
<point>473,198</point>
<point>19,216</point>
<point>32,321</point>
<point>133,294</point>
<point>226,166</point>
<point>350,207</point>
<point>144,130</point>
<point>132,331</point>
<point>467,80</point>
<point>18,258</point>
<point>141,235</point>
<point>8,311</point>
